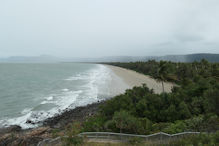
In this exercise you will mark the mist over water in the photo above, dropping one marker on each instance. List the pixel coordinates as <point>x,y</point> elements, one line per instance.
<point>37,91</point>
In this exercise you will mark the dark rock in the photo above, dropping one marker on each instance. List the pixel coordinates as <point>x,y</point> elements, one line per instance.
<point>12,128</point>
<point>32,141</point>
<point>30,122</point>
<point>14,135</point>
<point>77,114</point>
<point>23,141</point>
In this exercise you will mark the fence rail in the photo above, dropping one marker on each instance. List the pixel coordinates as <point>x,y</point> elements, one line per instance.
<point>160,137</point>
<point>126,137</point>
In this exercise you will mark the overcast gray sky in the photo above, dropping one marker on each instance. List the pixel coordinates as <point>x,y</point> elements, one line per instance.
<point>94,28</point>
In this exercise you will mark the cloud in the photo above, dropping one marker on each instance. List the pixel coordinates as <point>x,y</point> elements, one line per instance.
<point>106,28</point>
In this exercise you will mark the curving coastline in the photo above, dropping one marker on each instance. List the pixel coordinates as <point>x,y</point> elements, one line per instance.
<point>33,136</point>
<point>132,78</point>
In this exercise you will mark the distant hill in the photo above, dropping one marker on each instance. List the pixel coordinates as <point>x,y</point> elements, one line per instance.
<point>190,57</point>
<point>30,59</point>
<point>173,58</point>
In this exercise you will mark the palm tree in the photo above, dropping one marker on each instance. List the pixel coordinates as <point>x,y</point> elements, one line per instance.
<point>162,72</point>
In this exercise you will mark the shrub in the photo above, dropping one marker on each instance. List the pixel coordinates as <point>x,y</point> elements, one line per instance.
<point>72,137</point>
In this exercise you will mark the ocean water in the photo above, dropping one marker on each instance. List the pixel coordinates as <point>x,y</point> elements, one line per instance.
<point>39,91</point>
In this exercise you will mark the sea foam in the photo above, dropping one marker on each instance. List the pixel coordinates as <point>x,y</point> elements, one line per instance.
<point>95,88</point>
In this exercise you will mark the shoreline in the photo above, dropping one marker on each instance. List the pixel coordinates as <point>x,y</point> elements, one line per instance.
<point>33,136</point>
<point>129,78</point>
<point>80,114</point>
<point>132,78</point>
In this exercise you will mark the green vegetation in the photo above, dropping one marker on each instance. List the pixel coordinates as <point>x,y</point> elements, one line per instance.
<point>71,137</point>
<point>192,105</point>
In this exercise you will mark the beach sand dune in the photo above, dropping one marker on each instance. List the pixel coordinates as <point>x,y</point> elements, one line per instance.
<point>132,78</point>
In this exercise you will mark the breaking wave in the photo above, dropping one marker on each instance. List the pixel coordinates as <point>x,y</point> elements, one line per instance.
<point>95,88</point>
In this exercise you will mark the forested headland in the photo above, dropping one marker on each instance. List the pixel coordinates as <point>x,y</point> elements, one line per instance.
<point>193,104</point>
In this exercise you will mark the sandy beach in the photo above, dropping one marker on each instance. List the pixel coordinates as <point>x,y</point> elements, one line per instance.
<point>132,78</point>
<point>35,135</point>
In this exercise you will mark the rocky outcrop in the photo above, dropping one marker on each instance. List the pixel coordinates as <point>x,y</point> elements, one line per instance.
<point>13,128</point>
<point>25,137</point>
<point>14,135</point>
<point>69,116</point>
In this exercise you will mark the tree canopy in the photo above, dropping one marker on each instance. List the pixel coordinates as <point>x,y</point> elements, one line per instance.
<point>191,106</point>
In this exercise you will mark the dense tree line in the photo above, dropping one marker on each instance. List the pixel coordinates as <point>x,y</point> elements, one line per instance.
<point>192,105</point>
<point>175,72</point>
